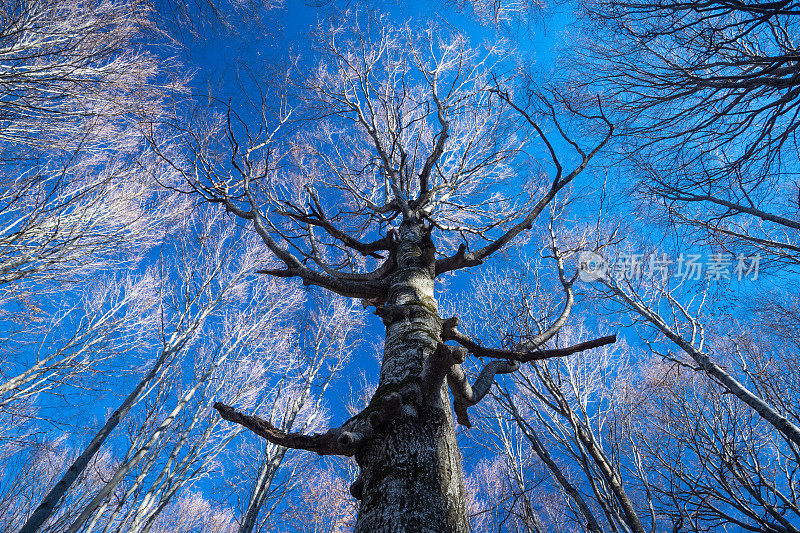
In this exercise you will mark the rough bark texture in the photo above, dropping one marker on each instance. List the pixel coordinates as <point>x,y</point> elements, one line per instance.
<point>411,479</point>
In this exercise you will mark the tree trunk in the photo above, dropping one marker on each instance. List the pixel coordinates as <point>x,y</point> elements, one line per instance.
<point>50,502</point>
<point>273,457</point>
<point>411,478</point>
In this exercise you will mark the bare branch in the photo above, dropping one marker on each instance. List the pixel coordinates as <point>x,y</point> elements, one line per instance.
<point>322,443</point>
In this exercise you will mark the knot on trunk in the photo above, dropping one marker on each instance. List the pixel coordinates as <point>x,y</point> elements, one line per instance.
<point>435,370</point>
<point>404,401</point>
<point>344,440</point>
<point>449,326</point>
<point>390,314</point>
<point>357,488</point>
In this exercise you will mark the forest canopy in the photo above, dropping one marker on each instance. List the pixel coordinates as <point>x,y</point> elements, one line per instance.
<point>389,267</point>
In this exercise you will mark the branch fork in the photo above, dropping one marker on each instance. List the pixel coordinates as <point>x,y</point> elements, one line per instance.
<point>447,361</point>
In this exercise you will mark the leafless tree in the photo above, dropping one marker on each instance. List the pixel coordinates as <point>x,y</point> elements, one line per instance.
<point>77,186</point>
<point>34,466</point>
<point>503,15</point>
<point>325,343</point>
<point>712,461</point>
<point>77,175</point>
<point>683,321</point>
<point>193,513</point>
<point>710,99</point>
<point>322,505</point>
<point>209,277</point>
<point>718,75</point>
<point>707,93</point>
<point>561,422</point>
<point>396,182</point>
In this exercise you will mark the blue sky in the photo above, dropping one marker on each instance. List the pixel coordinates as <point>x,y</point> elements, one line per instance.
<point>225,62</point>
<point>226,58</point>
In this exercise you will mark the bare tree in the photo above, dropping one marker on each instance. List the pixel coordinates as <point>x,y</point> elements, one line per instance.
<point>568,412</point>
<point>75,336</point>
<point>30,471</point>
<point>508,16</point>
<point>196,290</point>
<point>732,61</point>
<point>700,419</point>
<point>322,505</point>
<point>77,174</point>
<point>507,491</point>
<point>325,343</point>
<point>77,186</point>
<point>396,183</point>
<point>192,513</point>
<point>708,96</point>
<point>710,99</point>
<point>684,324</point>
<point>712,461</point>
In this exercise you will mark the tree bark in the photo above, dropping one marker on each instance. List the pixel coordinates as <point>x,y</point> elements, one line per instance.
<point>411,478</point>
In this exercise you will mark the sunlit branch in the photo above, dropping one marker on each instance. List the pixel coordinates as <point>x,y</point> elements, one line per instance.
<point>321,443</point>
<point>464,259</point>
<point>449,332</point>
<point>344,440</point>
<point>317,217</point>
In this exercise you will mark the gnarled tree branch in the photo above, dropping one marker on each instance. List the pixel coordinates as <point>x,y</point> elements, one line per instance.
<point>344,440</point>
<point>527,356</point>
<point>321,443</point>
<point>466,395</point>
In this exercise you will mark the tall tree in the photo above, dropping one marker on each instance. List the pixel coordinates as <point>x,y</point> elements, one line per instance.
<point>718,75</point>
<point>197,298</point>
<point>419,161</point>
<point>709,97</point>
<point>77,175</point>
<point>77,184</point>
<point>325,342</point>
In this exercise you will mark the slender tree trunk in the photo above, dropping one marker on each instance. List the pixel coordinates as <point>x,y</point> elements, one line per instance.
<point>555,470</point>
<point>112,484</point>
<point>411,478</point>
<point>273,457</point>
<point>50,501</point>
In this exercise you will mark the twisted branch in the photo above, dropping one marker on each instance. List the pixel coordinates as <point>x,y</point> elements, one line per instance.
<point>465,395</point>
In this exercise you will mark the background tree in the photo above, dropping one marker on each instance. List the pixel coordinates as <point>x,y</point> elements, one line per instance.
<point>662,61</point>
<point>560,429</point>
<point>77,173</point>
<point>326,342</point>
<point>708,98</point>
<point>196,297</point>
<point>78,185</point>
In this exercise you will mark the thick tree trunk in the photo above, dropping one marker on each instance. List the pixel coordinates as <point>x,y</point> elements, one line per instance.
<point>411,478</point>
